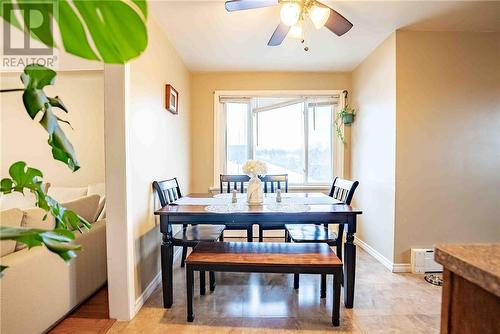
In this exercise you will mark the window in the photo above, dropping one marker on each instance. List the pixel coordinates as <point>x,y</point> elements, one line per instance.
<point>292,134</point>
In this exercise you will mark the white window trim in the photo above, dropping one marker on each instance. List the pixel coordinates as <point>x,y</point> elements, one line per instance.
<point>220,124</point>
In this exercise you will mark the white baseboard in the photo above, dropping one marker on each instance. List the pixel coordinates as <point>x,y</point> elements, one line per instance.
<point>393,267</point>
<point>401,268</point>
<point>152,285</point>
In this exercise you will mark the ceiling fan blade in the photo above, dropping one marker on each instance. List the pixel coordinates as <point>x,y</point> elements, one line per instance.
<point>337,24</point>
<point>278,35</point>
<point>248,4</point>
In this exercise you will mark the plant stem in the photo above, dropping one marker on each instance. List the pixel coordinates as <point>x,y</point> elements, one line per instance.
<point>11,90</point>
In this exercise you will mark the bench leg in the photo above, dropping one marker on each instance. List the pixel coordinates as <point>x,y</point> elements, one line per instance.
<point>212,280</point>
<point>189,286</point>
<point>336,300</point>
<point>323,285</point>
<point>296,279</point>
<point>261,234</point>
<point>202,283</point>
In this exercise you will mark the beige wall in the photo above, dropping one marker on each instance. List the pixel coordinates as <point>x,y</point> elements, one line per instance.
<point>203,86</point>
<point>158,144</point>
<point>373,145</point>
<point>23,139</point>
<point>448,139</point>
<point>425,144</point>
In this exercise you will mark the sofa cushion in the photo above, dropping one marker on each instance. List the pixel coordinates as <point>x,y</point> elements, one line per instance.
<point>17,200</point>
<point>66,194</point>
<point>85,207</point>
<point>99,189</point>
<point>11,218</point>
<point>33,218</point>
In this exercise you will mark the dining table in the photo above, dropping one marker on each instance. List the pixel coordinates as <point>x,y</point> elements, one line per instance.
<point>290,208</point>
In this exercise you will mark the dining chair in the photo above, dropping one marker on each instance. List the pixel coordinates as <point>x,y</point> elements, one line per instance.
<point>271,184</point>
<point>228,183</point>
<point>343,191</point>
<point>169,191</point>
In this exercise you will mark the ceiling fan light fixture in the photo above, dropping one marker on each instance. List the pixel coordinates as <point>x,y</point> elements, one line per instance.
<point>319,15</point>
<point>290,13</point>
<point>296,31</point>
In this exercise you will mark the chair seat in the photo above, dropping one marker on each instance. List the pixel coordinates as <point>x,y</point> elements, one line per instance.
<point>310,233</point>
<point>200,233</point>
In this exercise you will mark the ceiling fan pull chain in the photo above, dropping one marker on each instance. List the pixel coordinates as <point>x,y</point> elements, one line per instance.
<point>306,48</point>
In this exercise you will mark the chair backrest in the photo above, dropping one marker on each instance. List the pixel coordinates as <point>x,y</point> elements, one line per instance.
<point>230,182</point>
<point>275,182</point>
<point>168,191</point>
<point>343,190</point>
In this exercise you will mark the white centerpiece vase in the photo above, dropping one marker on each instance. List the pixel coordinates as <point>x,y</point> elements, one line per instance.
<point>255,191</point>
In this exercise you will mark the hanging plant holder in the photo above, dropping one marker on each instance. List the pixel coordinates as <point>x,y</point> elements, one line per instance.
<point>347,119</point>
<point>345,116</point>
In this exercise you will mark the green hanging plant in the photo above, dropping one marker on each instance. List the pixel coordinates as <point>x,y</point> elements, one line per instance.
<point>344,116</point>
<point>347,115</point>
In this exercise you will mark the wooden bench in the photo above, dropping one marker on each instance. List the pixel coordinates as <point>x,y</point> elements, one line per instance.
<point>264,258</point>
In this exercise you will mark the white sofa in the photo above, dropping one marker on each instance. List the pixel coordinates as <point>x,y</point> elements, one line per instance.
<point>38,289</point>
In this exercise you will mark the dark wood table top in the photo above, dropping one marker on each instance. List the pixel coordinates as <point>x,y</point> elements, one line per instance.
<point>264,254</point>
<point>255,210</point>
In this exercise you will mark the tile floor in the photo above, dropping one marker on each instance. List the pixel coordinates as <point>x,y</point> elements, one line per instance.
<point>266,303</point>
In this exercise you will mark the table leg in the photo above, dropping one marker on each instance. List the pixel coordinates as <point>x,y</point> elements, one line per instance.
<point>336,299</point>
<point>349,270</point>
<point>189,286</point>
<point>167,258</point>
<point>202,283</point>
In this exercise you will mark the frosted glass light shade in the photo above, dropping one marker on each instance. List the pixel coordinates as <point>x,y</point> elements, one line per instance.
<point>290,13</point>
<point>319,16</point>
<point>296,31</point>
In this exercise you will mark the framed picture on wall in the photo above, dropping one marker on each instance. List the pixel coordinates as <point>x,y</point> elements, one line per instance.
<point>172,99</point>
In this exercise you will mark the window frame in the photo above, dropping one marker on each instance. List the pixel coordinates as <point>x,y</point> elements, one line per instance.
<point>220,130</point>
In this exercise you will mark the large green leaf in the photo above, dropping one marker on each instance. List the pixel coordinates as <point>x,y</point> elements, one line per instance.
<point>27,178</point>
<point>40,31</point>
<point>113,31</point>
<point>35,78</point>
<point>57,241</point>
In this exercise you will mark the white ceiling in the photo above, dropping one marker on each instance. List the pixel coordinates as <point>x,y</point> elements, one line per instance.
<point>208,38</point>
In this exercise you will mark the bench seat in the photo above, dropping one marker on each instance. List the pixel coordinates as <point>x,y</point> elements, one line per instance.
<point>299,258</point>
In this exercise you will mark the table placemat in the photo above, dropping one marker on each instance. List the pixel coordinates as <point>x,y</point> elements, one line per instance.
<point>288,208</point>
<point>229,208</point>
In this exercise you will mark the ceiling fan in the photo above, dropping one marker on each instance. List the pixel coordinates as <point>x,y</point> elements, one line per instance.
<point>293,13</point>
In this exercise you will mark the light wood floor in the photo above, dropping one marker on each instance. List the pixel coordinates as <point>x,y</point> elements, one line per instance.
<point>91,317</point>
<point>266,303</point>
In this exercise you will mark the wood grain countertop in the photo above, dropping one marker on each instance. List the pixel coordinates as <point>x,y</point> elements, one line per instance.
<point>478,263</point>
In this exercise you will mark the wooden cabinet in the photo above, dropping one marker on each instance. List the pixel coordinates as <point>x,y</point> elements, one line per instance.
<point>471,290</point>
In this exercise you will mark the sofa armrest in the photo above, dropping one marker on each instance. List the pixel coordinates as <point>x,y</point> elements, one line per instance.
<point>39,288</point>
